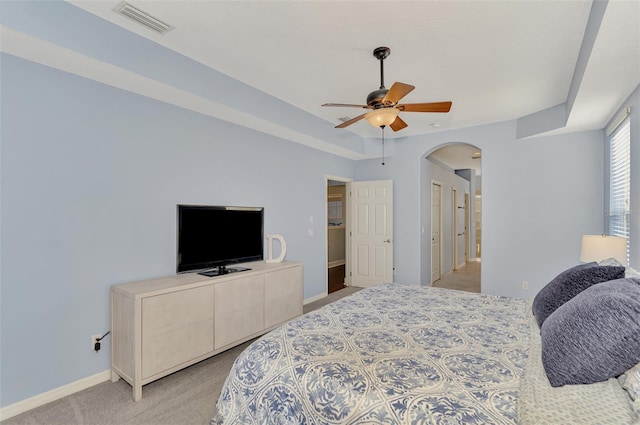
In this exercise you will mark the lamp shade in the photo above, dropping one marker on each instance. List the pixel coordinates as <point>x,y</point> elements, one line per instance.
<point>601,247</point>
<point>382,116</point>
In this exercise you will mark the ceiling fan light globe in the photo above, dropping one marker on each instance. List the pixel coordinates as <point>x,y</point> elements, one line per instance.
<point>382,117</point>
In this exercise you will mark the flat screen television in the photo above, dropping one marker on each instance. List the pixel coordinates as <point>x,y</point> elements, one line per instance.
<point>212,237</point>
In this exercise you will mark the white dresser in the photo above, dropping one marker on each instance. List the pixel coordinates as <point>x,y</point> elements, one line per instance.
<point>160,326</point>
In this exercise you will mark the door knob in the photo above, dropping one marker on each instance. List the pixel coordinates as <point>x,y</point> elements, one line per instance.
<point>387,241</point>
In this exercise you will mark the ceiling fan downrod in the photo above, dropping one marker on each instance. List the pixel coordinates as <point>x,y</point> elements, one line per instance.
<point>381,53</point>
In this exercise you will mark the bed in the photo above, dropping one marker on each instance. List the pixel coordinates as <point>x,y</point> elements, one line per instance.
<point>410,354</point>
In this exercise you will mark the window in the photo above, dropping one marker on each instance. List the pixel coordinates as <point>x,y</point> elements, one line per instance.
<point>335,213</point>
<point>620,178</point>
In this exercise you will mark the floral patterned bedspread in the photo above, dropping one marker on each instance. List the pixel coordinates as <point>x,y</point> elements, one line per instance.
<point>391,354</point>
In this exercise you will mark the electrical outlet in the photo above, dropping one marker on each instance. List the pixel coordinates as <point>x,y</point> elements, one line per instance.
<point>94,339</point>
<point>525,285</point>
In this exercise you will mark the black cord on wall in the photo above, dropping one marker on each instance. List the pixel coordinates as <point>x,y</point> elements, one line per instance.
<point>96,346</point>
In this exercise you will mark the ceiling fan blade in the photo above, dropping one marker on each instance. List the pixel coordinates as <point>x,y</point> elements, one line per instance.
<point>346,105</point>
<point>425,107</point>
<point>398,124</point>
<point>351,121</point>
<point>397,92</point>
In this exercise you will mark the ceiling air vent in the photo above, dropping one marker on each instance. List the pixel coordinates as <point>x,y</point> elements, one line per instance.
<point>142,17</point>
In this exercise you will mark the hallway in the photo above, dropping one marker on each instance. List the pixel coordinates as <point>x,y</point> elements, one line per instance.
<point>465,279</point>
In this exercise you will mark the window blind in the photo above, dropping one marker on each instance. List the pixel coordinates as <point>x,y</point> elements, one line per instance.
<point>620,181</point>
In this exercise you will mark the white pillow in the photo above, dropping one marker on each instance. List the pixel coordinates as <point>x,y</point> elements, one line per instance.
<point>630,381</point>
<point>631,273</point>
<point>610,262</point>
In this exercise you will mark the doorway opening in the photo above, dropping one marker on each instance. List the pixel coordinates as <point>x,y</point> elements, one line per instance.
<point>452,207</point>
<point>336,234</point>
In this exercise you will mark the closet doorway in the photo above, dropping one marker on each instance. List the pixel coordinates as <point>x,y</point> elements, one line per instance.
<point>336,234</point>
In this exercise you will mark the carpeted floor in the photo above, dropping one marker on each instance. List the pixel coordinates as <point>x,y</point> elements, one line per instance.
<point>466,278</point>
<point>185,397</point>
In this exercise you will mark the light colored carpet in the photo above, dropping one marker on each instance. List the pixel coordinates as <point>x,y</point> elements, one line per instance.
<point>466,278</point>
<point>185,397</point>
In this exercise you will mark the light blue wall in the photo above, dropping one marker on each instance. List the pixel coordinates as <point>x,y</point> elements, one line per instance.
<point>539,196</point>
<point>91,176</point>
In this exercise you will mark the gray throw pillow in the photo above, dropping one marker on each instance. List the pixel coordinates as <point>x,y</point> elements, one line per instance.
<point>570,283</point>
<point>595,336</point>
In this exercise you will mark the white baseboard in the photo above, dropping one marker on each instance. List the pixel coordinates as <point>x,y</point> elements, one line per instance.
<point>336,263</point>
<point>82,384</point>
<point>52,395</point>
<point>315,298</point>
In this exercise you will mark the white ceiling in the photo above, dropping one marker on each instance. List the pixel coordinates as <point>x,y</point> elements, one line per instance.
<point>459,156</point>
<point>495,60</point>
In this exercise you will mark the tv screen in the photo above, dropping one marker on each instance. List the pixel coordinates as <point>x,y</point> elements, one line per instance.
<point>214,236</point>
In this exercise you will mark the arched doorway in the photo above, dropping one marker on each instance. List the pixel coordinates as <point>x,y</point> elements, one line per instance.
<point>451,238</point>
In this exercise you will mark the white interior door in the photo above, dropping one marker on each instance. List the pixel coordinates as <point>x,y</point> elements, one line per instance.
<point>459,209</point>
<point>371,232</point>
<point>454,228</point>
<point>435,231</point>
<point>467,227</point>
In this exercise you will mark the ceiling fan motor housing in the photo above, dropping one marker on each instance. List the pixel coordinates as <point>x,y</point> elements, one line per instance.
<point>374,99</point>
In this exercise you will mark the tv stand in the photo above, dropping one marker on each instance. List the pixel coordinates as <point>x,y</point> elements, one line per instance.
<point>222,270</point>
<point>162,325</point>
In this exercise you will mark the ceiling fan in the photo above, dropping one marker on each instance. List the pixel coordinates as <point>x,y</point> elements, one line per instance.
<point>384,103</point>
